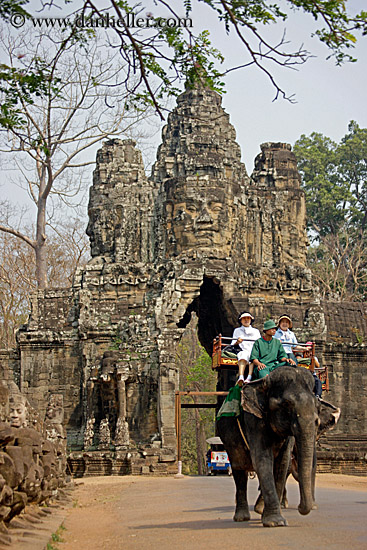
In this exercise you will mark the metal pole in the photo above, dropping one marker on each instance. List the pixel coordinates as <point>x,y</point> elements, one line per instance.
<point>178,434</point>
<point>179,428</point>
<point>312,364</point>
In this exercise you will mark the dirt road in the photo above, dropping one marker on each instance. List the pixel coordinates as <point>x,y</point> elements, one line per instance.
<point>131,513</point>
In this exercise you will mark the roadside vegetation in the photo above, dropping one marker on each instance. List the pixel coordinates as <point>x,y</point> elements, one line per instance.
<point>197,425</point>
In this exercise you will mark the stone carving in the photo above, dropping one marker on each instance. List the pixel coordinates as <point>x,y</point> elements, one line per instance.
<point>199,217</point>
<point>122,438</point>
<point>32,467</point>
<point>104,434</point>
<point>18,411</point>
<point>199,235</point>
<point>119,225</point>
<point>89,433</point>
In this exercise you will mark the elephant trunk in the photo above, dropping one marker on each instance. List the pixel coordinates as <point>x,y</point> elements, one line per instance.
<point>305,450</point>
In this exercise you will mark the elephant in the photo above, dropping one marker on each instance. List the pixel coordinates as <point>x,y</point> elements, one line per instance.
<point>279,411</point>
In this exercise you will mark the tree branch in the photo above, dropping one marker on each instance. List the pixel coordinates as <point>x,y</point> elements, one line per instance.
<point>19,235</point>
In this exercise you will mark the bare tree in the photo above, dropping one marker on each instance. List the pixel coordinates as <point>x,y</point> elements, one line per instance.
<point>80,104</point>
<point>339,266</point>
<point>15,276</point>
<point>65,251</point>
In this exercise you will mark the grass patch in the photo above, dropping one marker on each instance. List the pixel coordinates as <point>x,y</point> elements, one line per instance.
<point>56,538</point>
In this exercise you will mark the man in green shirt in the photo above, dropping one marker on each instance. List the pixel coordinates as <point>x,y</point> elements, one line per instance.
<point>268,353</point>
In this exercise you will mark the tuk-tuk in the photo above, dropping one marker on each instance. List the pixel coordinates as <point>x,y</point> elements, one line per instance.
<point>217,458</point>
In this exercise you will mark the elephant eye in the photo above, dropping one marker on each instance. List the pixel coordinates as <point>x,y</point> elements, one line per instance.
<point>274,403</point>
<point>289,404</point>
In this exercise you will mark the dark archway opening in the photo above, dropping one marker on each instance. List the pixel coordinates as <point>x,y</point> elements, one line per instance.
<point>215,316</point>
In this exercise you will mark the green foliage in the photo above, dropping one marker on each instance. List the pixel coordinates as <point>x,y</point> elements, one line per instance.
<point>353,172</point>
<point>56,537</point>
<point>197,424</point>
<point>338,33</point>
<point>326,196</point>
<point>11,7</point>
<point>335,182</point>
<point>158,58</point>
<point>199,374</point>
<point>17,87</point>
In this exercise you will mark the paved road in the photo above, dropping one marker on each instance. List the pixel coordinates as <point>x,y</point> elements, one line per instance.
<point>196,513</point>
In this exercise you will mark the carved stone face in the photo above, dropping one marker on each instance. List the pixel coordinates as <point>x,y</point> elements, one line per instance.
<point>100,229</point>
<point>55,410</point>
<point>18,414</point>
<point>198,217</point>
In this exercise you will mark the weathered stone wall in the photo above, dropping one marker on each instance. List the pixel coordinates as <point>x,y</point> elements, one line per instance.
<point>10,366</point>
<point>348,380</point>
<point>49,367</point>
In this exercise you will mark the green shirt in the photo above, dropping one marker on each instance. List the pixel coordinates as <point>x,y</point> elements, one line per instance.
<point>268,352</point>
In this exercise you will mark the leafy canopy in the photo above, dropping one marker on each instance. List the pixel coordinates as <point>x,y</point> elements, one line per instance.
<point>335,183</point>
<point>158,59</point>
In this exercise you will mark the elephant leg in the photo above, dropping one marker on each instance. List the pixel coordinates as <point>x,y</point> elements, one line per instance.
<point>259,505</point>
<point>281,472</point>
<point>242,512</point>
<point>282,469</point>
<point>271,516</point>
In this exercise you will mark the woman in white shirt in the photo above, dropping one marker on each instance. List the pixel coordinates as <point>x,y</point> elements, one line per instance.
<point>245,336</point>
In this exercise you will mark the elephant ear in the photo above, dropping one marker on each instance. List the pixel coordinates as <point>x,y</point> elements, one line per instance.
<point>253,397</point>
<point>328,415</point>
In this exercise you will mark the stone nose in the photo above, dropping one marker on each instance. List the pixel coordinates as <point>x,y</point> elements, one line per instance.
<point>204,217</point>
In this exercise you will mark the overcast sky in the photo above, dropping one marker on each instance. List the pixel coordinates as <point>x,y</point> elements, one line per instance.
<point>328,97</point>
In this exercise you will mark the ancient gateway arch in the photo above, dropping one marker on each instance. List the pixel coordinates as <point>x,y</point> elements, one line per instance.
<point>198,235</point>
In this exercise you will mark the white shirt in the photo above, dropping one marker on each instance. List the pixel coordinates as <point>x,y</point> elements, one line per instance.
<point>286,336</point>
<point>246,333</point>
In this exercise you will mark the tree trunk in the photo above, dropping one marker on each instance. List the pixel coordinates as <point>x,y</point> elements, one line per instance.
<point>41,266</point>
<point>40,249</point>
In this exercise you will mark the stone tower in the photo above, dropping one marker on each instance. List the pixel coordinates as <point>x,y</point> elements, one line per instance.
<point>200,236</point>
<point>121,205</point>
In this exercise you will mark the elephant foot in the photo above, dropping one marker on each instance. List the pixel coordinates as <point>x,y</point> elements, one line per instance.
<point>284,503</point>
<point>274,520</point>
<point>303,510</point>
<point>314,506</point>
<point>242,514</point>
<point>259,505</point>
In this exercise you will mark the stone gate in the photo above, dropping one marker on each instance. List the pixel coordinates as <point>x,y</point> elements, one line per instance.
<point>198,235</point>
